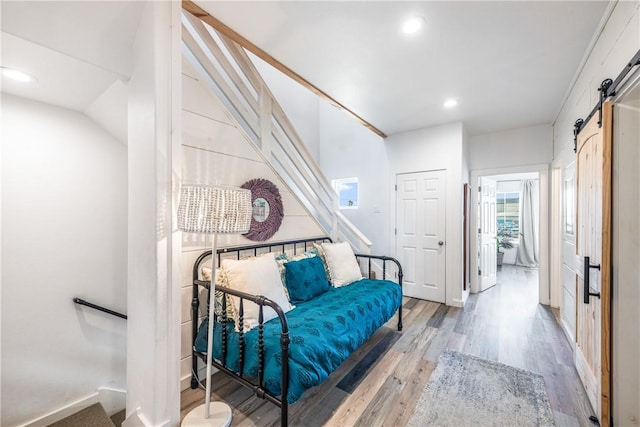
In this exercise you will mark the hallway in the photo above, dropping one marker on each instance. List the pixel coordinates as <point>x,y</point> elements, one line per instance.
<point>379,385</point>
<point>505,323</point>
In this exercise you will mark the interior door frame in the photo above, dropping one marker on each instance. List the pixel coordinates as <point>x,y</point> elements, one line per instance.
<point>544,291</point>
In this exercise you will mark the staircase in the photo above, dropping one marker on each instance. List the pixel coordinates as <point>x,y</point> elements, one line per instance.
<point>227,71</point>
<point>94,416</point>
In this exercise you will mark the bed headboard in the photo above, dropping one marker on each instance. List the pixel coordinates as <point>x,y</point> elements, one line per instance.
<point>291,247</point>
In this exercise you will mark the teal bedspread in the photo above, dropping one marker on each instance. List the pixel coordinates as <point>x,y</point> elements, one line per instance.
<point>323,332</point>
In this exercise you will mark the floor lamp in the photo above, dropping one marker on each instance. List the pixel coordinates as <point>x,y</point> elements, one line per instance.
<point>212,210</point>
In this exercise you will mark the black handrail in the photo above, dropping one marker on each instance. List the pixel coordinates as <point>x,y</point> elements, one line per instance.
<point>80,301</point>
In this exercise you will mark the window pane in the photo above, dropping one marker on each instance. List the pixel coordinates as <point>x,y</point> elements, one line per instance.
<point>508,212</point>
<point>347,190</point>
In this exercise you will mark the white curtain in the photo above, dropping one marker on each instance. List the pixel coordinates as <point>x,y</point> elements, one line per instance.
<point>528,249</point>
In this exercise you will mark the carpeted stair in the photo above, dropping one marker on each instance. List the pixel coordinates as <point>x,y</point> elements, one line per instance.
<point>91,416</point>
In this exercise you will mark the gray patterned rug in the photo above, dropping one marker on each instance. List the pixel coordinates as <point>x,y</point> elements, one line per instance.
<point>465,390</point>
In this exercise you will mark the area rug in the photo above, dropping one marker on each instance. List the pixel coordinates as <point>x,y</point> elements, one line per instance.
<point>466,390</point>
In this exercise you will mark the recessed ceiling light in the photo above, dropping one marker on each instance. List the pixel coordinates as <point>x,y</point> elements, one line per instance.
<point>17,75</point>
<point>450,103</point>
<point>413,25</point>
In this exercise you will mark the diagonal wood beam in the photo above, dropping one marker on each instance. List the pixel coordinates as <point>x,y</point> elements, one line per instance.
<point>226,31</point>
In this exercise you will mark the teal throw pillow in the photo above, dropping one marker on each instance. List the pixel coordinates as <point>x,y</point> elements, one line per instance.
<point>305,279</point>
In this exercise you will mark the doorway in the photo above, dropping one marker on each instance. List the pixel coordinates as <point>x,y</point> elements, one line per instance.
<point>510,231</point>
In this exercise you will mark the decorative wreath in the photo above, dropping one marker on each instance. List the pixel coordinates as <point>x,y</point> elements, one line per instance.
<point>267,209</point>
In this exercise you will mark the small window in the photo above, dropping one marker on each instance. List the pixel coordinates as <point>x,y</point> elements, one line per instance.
<point>508,212</point>
<point>347,189</point>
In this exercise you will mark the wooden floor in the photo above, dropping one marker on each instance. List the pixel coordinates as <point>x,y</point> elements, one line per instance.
<point>380,384</point>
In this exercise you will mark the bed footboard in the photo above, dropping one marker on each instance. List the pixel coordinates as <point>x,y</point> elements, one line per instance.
<point>256,385</point>
<point>384,260</point>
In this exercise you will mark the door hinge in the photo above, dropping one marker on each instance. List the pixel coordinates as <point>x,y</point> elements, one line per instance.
<point>396,187</point>
<point>479,231</point>
<point>395,231</point>
<point>479,272</point>
<point>479,188</point>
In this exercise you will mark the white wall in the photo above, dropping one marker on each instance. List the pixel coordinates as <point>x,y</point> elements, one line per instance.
<point>516,147</point>
<point>347,150</point>
<point>214,151</point>
<point>434,148</point>
<point>342,147</point>
<point>64,222</point>
<point>614,47</point>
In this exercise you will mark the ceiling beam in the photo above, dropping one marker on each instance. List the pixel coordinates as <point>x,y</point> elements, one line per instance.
<point>223,29</point>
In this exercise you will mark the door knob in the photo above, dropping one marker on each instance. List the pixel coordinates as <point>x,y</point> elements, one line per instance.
<point>440,243</point>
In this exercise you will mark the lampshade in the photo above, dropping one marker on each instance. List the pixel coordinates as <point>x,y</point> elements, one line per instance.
<point>213,209</point>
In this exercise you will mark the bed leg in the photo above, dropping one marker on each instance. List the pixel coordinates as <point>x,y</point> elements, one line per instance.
<point>400,318</point>
<point>284,414</point>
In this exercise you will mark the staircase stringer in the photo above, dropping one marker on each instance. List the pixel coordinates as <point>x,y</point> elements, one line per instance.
<point>230,76</point>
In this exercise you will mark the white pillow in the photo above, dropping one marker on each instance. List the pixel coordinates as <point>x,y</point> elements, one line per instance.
<point>221,282</point>
<point>256,276</point>
<point>342,264</point>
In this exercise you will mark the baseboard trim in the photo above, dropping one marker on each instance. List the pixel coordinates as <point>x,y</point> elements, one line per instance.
<point>567,334</point>
<point>113,400</point>
<point>137,419</point>
<point>457,303</point>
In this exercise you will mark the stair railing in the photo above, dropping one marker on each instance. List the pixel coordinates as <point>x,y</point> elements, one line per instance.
<point>80,301</point>
<point>227,71</point>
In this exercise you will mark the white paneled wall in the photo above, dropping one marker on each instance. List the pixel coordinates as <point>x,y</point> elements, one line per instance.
<point>616,44</point>
<point>215,151</point>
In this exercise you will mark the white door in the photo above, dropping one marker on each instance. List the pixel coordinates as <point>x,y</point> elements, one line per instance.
<point>488,249</point>
<point>593,261</point>
<point>420,233</point>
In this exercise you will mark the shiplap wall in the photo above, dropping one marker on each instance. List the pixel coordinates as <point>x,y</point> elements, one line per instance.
<point>216,152</point>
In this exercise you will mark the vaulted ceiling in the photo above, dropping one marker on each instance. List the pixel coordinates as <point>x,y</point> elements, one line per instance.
<point>508,64</point>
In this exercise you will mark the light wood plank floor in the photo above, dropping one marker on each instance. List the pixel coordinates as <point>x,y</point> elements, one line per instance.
<point>380,384</point>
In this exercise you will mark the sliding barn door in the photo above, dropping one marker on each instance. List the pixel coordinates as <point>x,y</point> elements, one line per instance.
<point>593,261</point>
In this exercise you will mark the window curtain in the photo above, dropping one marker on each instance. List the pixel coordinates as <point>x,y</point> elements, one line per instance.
<point>528,249</point>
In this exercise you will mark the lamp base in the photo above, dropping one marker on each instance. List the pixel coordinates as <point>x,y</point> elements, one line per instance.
<point>219,416</point>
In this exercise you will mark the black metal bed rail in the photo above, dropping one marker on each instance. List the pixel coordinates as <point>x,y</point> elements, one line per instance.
<point>384,260</point>
<point>195,297</point>
<point>80,301</point>
<point>258,388</point>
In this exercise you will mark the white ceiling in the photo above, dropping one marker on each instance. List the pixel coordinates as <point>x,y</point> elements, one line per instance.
<point>61,79</point>
<point>96,32</point>
<point>79,52</point>
<point>509,64</point>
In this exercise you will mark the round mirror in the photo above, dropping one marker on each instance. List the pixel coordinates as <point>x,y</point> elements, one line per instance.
<point>267,209</point>
<point>260,209</point>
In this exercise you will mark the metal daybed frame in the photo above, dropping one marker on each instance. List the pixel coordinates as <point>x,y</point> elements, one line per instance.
<point>257,384</point>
